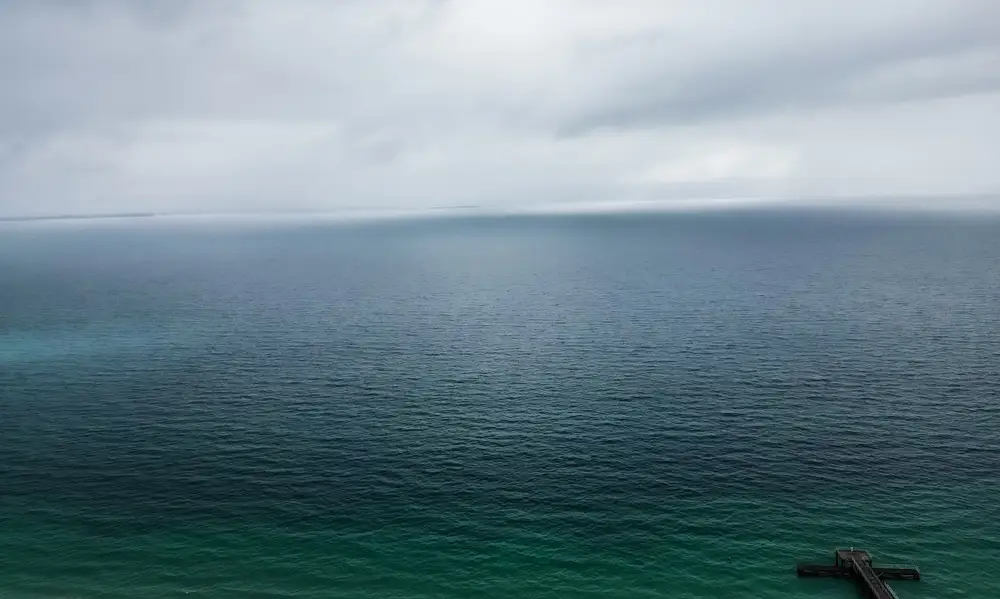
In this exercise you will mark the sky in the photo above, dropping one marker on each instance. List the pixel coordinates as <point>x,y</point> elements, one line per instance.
<point>266,106</point>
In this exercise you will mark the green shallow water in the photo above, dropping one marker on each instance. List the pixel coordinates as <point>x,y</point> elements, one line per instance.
<point>673,406</point>
<point>720,548</point>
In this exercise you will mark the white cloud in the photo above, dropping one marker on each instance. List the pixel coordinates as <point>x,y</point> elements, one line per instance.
<point>222,105</point>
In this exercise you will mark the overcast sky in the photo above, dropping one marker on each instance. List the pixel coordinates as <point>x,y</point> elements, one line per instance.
<point>366,104</point>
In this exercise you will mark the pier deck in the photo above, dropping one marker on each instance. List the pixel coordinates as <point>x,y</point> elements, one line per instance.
<point>857,565</point>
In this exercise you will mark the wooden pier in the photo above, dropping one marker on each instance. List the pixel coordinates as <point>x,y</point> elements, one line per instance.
<point>857,565</point>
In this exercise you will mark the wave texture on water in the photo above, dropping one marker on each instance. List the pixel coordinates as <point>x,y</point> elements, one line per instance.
<point>671,406</point>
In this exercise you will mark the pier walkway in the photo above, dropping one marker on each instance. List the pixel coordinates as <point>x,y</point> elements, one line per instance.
<point>857,565</point>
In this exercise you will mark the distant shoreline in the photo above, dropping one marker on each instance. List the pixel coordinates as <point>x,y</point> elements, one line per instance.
<point>875,206</point>
<point>77,216</point>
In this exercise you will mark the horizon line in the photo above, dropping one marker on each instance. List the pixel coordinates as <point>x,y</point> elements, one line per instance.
<point>865,203</point>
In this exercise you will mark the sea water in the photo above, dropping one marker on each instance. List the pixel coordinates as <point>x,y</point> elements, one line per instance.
<point>673,405</point>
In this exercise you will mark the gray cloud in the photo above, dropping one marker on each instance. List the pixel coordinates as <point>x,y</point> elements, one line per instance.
<point>224,105</point>
<point>772,59</point>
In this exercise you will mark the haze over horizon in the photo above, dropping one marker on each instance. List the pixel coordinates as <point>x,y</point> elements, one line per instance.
<point>197,107</point>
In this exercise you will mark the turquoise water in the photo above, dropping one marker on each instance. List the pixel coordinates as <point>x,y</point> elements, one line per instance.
<point>613,406</point>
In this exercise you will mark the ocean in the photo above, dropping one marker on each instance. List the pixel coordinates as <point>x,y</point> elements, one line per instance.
<point>616,405</point>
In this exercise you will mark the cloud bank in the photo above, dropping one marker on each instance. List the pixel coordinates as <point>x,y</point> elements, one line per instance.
<point>218,105</point>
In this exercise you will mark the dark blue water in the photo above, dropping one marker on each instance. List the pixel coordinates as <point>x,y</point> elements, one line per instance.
<point>575,406</point>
